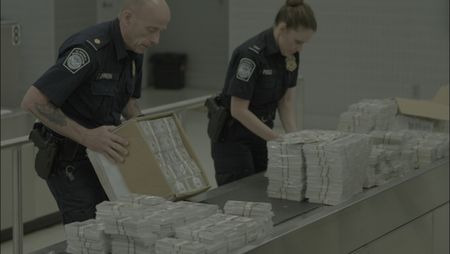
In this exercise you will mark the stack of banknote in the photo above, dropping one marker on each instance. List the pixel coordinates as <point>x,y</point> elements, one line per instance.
<point>368,115</point>
<point>181,246</point>
<point>87,237</point>
<point>336,167</point>
<point>260,211</point>
<point>230,231</point>
<point>179,168</point>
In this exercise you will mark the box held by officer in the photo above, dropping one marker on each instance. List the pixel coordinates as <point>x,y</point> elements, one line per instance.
<point>161,161</point>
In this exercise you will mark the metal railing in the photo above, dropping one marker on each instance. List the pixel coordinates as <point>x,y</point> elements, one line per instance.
<point>17,143</point>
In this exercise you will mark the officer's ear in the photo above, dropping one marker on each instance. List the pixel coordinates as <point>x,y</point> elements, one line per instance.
<point>125,16</point>
<point>282,27</point>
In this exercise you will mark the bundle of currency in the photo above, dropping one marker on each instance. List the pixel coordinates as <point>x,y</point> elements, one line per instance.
<point>121,244</point>
<point>368,115</point>
<point>86,237</point>
<point>135,220</point>
<point>179,246</point>
<point>335,168</point>
<point>197,211</point>
<point>388,158</point>
<point>260,211</point>
<point>285,171</point>
<point>231,231</point>
<point>310,136</point>
<point>395,153</point>
<point>179,168</point>
<point>182,246</point>
<point>118,209</point>
<point>404,122</point>
<point>141,199</point>
<point>248,209</point>
<point>427,147</point>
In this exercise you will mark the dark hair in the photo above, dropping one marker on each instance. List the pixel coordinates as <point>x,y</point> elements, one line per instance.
<point>296,13</point>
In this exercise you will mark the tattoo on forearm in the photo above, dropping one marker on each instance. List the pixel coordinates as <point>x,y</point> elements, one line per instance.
<point>136,109</point>
<point>53,114</point>
<point>131,109</point>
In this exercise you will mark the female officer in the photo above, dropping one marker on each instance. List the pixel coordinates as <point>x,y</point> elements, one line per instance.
<point>261,78</point>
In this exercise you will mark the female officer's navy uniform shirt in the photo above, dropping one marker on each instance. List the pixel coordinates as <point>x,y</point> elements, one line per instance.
<point>94,76</point>
<point>257,72</point>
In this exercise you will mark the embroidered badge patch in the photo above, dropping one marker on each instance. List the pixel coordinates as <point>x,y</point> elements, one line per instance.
<point>245,69</point>
<point>76,60</point>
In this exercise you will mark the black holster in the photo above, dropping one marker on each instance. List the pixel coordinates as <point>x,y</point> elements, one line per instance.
<point>218,116</point>
<point>48,150</point>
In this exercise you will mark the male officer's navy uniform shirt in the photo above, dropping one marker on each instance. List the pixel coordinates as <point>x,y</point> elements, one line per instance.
<point>257,72</point>
<point>94,76</point>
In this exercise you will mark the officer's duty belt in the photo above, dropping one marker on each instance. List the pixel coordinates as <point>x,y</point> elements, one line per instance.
<point>68,149</point>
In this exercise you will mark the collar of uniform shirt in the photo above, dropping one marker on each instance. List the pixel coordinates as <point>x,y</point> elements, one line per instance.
<point>271,44</point>
<point>119,44</point>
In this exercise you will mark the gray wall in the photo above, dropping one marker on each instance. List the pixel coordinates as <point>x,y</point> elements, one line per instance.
<point>363,49</point>
<point>248,18</point>
<point>198,28</point>
<point>37,45</point>
<point>45,24</point>
<point>71,17</point>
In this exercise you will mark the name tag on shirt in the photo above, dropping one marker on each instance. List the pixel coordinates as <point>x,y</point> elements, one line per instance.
<point>106,75</point>
<point>267,72</point>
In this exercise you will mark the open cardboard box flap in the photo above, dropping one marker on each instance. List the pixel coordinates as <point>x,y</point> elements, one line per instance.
<point>135,171</point>
<point>437,108</point>
<point>141,171</point>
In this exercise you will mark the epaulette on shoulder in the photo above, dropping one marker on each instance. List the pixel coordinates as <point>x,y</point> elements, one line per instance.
<point>98,42</point>
<point>256,48</point>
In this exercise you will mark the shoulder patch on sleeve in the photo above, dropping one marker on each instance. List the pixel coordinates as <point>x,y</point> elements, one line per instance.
<point>76,60</point>
<point>245,69</point>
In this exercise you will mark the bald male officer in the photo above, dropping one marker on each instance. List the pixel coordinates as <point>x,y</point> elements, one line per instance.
<point>79,100</point>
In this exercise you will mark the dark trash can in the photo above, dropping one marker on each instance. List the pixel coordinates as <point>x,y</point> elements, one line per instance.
<point>168,70</point>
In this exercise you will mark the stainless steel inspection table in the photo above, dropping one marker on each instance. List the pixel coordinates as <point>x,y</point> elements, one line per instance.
<point>355,226</point>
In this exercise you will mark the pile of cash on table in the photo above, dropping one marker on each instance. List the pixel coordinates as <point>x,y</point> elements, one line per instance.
<point>138,224</point>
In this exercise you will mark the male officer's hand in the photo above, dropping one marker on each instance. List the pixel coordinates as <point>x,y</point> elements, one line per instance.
<point>102,140</point>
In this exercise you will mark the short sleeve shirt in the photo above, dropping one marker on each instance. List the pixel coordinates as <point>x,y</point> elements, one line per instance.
<point>258,72</point>
<point>94,76</point>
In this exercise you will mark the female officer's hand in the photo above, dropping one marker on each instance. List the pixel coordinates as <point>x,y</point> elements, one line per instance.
<point>102,140</point>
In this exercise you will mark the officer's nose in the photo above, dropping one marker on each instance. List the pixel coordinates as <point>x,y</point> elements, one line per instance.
<point>154,38</point>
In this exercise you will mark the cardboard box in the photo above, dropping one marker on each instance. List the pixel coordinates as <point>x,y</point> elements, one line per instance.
<point>432,112</point>
<point>145,170</point>
<point>436,108</point>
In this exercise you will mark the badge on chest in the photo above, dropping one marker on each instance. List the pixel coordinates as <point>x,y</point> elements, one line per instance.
<point>291,63</point>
